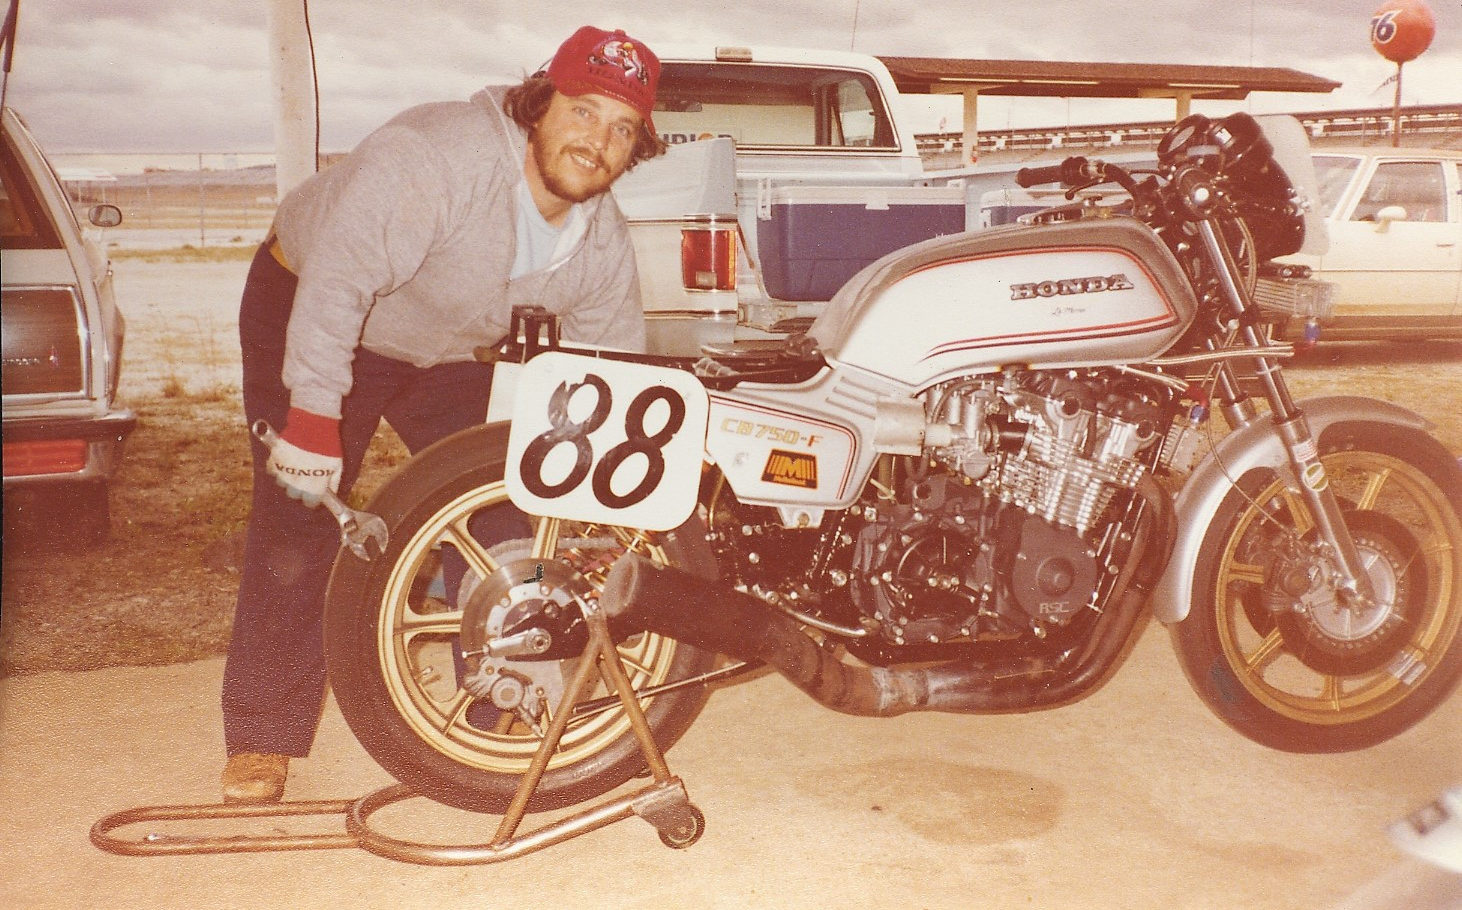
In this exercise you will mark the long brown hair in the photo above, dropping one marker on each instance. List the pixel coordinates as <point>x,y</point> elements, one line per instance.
<point>527,102</point>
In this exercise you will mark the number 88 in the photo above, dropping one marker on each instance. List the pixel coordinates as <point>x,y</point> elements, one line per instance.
<point>637,441</point>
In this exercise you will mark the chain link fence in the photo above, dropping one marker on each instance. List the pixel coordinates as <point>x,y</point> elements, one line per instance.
<point>199,200</point>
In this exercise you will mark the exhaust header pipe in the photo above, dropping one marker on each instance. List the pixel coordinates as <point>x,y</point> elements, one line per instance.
<point>711,616</point>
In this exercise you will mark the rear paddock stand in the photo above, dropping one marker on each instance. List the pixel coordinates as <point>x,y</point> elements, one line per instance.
<point>663,803</point>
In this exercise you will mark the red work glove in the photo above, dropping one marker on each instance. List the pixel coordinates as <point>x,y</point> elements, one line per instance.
<point>307,459</point>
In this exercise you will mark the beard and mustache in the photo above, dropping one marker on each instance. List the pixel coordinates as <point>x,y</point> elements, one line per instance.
<point>564,176</point>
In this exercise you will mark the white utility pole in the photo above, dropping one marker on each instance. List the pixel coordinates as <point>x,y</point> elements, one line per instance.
<point>291,70</point>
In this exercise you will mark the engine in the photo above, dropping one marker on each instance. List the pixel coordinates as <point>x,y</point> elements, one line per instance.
<point>1012,531</point>
<point>1010,527</point>
<point>1058,445</point>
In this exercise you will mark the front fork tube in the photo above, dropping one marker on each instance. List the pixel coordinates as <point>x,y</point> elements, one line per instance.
<point>1314,488</point>
<point>1294,431</point>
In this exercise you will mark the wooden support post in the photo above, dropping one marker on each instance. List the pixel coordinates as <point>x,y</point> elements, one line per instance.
<point>970,141</point>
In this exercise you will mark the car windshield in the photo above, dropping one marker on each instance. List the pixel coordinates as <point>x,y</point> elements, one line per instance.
<point>1334,173</point>
<point>777,106</point>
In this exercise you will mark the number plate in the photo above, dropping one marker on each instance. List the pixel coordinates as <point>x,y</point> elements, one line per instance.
<point>606,441</point>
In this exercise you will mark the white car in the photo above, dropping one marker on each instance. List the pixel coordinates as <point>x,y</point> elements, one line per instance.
<point>62,339</point>
<point>1395,256</point>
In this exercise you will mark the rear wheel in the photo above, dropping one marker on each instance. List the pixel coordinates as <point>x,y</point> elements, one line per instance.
<point>1281,655</point>
<point>407,645</point>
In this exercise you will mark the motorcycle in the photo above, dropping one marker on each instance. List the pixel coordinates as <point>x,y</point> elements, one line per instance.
<point>964,488</point>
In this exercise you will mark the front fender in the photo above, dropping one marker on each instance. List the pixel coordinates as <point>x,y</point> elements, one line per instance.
<point>1254,446</point>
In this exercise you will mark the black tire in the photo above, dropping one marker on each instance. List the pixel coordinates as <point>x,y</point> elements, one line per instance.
<point>396,686</point>
<point>1292,671</point>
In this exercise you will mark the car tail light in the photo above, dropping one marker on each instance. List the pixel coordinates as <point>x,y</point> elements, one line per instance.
<point>45,456</point>
<point>708,254</point>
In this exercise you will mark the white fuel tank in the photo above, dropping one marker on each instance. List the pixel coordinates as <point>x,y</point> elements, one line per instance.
<point>1092,292</point>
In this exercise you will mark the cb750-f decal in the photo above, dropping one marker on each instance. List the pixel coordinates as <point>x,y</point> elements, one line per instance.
<point>771,455</point>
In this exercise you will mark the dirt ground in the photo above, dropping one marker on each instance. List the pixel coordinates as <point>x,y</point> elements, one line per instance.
<point>161,589</point>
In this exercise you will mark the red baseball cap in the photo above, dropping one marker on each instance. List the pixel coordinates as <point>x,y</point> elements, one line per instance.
<point>593,61</point>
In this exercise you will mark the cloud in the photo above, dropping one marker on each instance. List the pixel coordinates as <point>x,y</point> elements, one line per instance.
<point>184,75</point>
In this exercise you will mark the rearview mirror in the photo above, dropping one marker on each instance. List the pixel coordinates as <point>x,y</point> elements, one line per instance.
<point>1389,214</point>
<point>105,216</point>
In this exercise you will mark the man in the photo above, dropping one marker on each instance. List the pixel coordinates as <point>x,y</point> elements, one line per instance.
<point>382,276</point>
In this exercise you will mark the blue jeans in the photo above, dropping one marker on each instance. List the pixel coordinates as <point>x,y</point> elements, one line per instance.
<point>274,678</point>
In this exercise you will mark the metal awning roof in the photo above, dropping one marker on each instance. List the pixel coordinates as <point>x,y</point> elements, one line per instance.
<point>939,75</point>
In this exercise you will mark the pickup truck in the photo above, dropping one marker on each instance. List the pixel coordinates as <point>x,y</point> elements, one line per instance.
<point>789,170</point>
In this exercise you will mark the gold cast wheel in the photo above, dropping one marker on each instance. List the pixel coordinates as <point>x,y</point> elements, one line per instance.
<point>417,641</point>
<point>419,630</point>
<point>1280,653</point>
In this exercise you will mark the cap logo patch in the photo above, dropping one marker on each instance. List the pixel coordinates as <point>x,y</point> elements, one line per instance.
<point>622,54</point>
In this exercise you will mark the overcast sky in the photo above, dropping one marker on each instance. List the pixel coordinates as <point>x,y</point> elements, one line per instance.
<point>193,75</point>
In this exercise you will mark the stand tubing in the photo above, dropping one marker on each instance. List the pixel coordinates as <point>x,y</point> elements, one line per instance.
<point>664,803</point>
<point>156,844</point>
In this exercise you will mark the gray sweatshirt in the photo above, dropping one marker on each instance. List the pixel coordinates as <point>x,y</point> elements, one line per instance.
<point>405,247</point>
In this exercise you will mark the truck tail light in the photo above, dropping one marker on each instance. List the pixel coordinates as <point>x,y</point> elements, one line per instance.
<point>45,456</point>
<point>708,253</point>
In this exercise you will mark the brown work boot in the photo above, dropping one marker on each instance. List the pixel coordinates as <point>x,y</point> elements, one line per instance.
<point>255,777</point>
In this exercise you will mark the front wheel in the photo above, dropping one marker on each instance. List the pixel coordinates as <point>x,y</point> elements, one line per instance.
<point>1283,657</point>
<point>419,641</point>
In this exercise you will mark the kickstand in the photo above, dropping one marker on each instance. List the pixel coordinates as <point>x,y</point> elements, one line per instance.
<point>663,803</point>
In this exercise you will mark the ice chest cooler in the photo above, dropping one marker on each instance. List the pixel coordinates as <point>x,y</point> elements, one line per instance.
<point>812,239</point>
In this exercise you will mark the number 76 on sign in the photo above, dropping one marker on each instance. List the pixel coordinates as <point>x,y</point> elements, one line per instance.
<point>607,441</point>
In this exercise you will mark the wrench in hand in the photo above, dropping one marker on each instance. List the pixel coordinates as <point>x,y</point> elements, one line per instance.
<point>357,529</point>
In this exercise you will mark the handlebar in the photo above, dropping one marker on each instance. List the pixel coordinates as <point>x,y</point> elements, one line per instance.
<point>1077,172</point>
<point>1070,172</point>
<point>1034,176</point>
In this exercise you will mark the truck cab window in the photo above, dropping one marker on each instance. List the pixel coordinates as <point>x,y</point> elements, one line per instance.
<point>857,118</point>
<point>765,106</point>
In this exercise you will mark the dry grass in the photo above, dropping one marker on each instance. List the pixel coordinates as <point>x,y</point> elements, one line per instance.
<point>188,253</point>
<point>1425,377</point>
<point>161,588</point>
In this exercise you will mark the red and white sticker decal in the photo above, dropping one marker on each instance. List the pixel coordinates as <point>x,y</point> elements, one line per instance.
<point>607,441</point>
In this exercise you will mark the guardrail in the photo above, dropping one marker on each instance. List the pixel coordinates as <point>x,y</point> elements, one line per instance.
<point>1439,125</point>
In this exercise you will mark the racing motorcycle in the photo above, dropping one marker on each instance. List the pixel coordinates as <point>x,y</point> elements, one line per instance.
<point>963,488</point>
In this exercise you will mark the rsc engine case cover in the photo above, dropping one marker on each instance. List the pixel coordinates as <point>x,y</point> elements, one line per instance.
<point>1094,292</point>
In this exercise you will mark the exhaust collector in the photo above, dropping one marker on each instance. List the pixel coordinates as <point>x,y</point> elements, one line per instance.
<point>707,615</point>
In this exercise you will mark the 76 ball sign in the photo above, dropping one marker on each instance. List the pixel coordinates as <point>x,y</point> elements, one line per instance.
<point>607,441</point>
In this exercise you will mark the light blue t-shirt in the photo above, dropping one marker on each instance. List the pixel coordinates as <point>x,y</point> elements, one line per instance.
<point>540,244</point>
